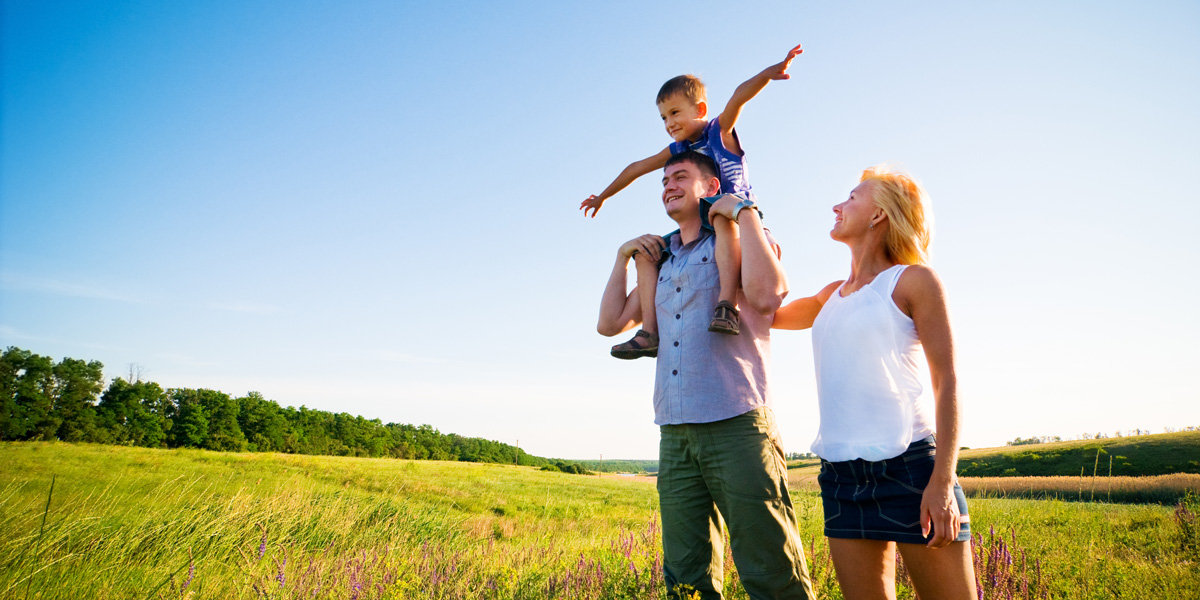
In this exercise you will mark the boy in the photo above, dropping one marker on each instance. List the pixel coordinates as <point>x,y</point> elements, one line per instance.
<point>683,105</point>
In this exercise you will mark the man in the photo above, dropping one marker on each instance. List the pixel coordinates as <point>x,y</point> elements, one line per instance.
<point>719,451</point>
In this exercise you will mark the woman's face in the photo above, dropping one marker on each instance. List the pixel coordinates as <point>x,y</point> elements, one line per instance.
<point>853,217</point>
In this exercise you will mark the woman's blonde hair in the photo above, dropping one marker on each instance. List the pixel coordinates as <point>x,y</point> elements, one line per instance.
<point>910,217</point>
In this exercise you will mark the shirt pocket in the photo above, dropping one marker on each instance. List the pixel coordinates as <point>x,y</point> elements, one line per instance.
<point>687,283</point>
<point>701,272</point>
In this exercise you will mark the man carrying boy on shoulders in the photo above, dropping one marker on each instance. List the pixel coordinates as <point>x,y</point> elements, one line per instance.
<point>720,456</point>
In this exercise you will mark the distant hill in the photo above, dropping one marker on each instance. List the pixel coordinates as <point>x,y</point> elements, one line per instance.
<point>621,466</point>
<point>1154,454</point>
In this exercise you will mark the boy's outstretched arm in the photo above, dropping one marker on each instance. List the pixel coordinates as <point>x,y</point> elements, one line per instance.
<point>749,89</point>
<point>627,176</point>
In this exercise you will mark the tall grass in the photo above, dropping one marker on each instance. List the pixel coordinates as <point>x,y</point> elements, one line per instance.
<point>135,523</point>
<point>1160,489</point>
<point>234,519</point>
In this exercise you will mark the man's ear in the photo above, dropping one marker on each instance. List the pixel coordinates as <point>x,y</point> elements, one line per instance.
<point>702,108</point>
<point>714,187</point>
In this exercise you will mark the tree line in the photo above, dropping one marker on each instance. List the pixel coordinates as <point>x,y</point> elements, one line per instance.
<point>1048,439</point>
<point>67,401</point>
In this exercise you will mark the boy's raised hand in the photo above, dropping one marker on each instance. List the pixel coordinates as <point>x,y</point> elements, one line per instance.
<point>593,203</point>
<point>749,89</point>
<point>779,71</point>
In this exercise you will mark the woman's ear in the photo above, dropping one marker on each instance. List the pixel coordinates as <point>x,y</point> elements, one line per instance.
<point>878,218</point>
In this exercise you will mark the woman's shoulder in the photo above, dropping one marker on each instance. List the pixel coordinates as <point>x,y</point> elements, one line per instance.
<point>827,291</point>
<point>919,275</point>
<point>918,283</point>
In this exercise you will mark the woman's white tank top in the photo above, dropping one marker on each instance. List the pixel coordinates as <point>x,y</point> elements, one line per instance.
<point>870,367</point>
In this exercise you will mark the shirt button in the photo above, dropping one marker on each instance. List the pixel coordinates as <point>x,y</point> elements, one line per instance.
<point>676,344</point>
<point>676,317</point>
<point>679,289</point>
<point>705,259</point>
<point>675,372</point>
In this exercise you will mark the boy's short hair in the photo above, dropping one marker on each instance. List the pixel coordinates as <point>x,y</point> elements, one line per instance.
<point>689,86</point>
<point>703,162</point>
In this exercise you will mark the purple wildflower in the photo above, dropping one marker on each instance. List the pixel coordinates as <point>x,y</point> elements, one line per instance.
<point>262,547</point>
<point>191,574</point>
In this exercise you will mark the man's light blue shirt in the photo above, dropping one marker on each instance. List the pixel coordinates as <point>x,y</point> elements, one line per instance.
<point>704,376</point>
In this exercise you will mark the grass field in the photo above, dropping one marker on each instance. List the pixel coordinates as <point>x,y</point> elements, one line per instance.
<point>1159,489</point>
<point>1131,456</point>
<point>139,523</point>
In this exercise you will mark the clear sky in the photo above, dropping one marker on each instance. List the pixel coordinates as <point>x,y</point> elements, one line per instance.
<point>372,207</point>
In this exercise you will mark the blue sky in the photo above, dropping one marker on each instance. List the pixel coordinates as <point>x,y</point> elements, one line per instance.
<point>373,207</point>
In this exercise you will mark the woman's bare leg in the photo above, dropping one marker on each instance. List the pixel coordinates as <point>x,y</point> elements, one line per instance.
<point>940,573</point>
<point>866,569</point>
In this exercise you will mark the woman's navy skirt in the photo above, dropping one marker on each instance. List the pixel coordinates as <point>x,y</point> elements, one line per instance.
<point>881,500</point>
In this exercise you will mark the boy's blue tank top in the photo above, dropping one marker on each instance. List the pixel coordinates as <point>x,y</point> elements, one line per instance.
<point>735,179</point>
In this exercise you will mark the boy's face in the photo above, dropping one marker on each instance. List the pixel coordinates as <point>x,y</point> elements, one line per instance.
<point>683,119</point>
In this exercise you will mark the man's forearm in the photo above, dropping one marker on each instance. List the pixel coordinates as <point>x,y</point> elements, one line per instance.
<point>612,303</point>
<point>763,279</point>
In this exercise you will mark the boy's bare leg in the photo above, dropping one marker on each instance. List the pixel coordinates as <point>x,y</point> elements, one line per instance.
<point>729,258</point>
<point>647,284</point>
<point>729,267</point>
<point>645,342</point>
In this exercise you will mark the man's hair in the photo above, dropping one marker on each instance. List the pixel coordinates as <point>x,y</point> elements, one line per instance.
<point>706,165</point>
<point>689,86</point>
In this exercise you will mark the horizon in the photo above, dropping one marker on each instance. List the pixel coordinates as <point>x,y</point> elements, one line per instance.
<point>135,375</point>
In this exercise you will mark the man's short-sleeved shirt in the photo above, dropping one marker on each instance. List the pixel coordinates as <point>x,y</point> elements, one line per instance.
<point>704,376</point>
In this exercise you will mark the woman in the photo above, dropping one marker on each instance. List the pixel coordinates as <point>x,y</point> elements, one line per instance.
<point>884,484</point>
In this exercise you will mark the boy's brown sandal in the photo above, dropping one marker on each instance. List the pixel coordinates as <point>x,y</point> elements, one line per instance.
<point>642,344</point>
<point>725,319</point>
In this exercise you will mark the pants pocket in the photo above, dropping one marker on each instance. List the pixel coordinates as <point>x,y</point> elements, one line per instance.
<point>901,485</point>
<point>830,487</point>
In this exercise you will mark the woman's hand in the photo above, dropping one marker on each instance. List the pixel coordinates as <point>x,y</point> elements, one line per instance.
<point>939,511</point>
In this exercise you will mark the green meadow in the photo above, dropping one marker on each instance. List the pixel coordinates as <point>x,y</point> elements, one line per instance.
<point>1130,456</point>
<point>144,523</point>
